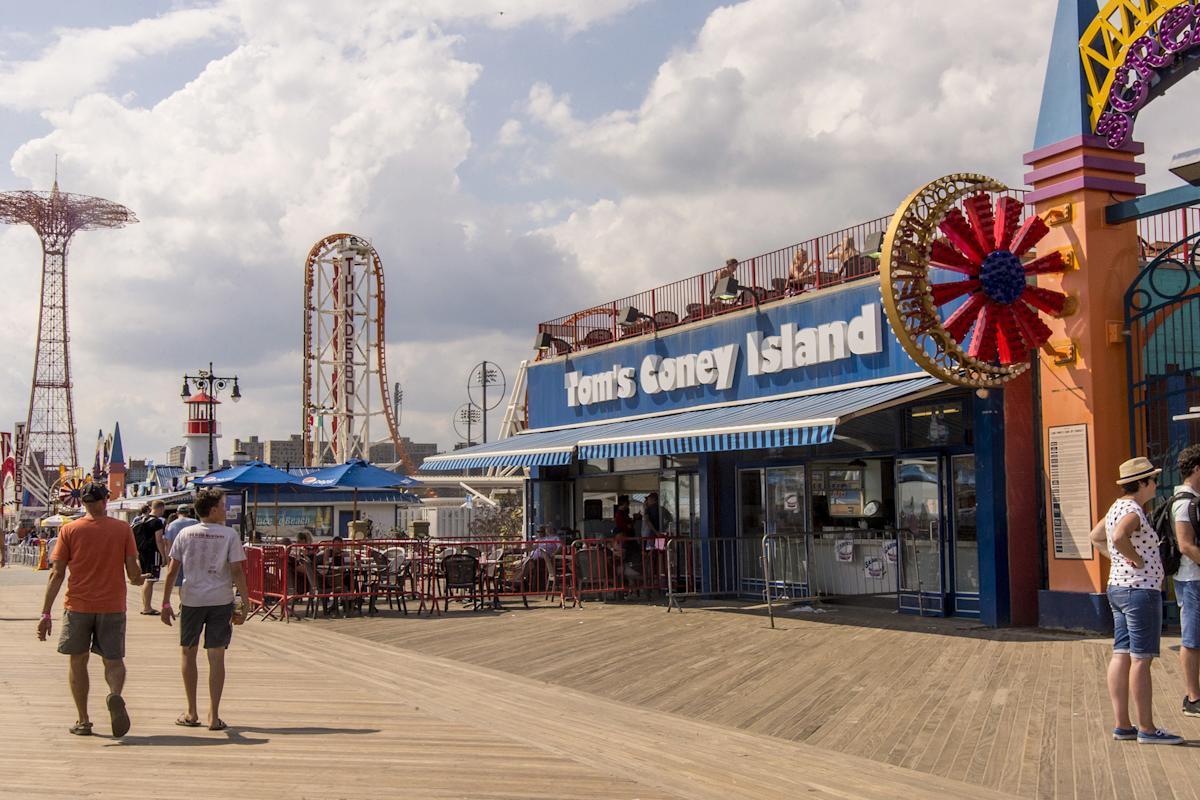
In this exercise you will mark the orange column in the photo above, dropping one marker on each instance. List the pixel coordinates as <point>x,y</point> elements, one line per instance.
<point>1073,182</point>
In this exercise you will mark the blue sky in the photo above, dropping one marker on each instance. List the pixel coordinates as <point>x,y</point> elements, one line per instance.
<point>509,168</point>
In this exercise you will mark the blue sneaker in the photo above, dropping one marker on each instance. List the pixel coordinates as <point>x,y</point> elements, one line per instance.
<point>1159,737</point>
<point>1125,734</point>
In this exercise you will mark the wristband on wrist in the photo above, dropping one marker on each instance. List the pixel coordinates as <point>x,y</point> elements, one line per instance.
<point>165,604</point>
<point>46,615</point>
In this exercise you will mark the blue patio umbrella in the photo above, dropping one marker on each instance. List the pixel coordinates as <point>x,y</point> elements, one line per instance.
<point>252,475</point>
<point>357,474</point>
<point>248,476</point>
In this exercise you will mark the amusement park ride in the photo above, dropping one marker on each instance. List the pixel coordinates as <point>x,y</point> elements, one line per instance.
<point>47,443</point>
<point>345,384</point>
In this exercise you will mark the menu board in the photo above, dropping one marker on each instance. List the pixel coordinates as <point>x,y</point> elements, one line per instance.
<point>1070,492</point>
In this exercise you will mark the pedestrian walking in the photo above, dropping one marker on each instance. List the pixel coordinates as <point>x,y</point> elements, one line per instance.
<point>185,517</point>
<point>1135,594</point>
<point>1187,579</point>
<point>148,535</point>
<point>211,554</point>
<point>91,554</point>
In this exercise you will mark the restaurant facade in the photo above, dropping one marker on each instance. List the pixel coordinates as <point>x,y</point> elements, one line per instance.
<point>801,419</point>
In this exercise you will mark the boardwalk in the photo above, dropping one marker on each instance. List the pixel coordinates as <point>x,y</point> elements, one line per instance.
<point>1023,712</point>
<point>615,701</point>
<point>316,713</point>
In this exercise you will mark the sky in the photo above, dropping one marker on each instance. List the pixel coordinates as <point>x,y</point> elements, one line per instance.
<point>512,161</point>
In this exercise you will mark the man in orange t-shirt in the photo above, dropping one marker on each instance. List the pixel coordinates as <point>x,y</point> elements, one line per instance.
<point>90,555</point>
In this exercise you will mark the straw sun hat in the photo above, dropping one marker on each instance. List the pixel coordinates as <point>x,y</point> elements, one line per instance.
<point>1135,469</point>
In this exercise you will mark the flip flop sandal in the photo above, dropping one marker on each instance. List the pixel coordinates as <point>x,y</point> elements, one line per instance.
<point>118,713</point>
<point>184,722</point>
<point>81,729</point>
<point>219,725</point>
<point>150,613</point>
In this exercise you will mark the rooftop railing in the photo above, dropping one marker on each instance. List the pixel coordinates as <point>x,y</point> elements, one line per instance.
<point>813,265</point>
<point>808,266</point>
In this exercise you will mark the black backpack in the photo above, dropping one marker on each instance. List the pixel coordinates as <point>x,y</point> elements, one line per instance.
<point>144,530</point>
<point>1164,525</point>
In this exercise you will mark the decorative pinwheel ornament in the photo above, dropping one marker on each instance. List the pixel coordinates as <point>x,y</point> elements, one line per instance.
<point>70,492</point>
<point>986,340</point>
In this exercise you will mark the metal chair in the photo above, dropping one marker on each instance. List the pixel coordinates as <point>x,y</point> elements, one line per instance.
<point>394,571</point>
<point>461,573</point>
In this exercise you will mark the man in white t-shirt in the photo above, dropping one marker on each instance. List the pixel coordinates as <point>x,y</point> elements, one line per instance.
<point>1187,579</point>
<point>212,554</point>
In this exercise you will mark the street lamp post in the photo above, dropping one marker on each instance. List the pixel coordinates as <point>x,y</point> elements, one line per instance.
<point>210,383</point>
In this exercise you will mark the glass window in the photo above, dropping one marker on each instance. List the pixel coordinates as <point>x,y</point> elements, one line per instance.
<point>681,462</point>
<point>935,425</point>
<point>634,464</point>
<point>593,466</point>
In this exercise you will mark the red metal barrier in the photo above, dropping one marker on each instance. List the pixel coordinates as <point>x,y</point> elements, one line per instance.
<point>254,578</point>
<point>486,572</point>
<point>340,577</point>
<point>616,568</point>
<point>343,576</point>
<point>336,578</point>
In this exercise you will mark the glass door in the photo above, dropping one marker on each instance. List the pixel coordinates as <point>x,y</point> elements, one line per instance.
<point>785,521</point>
<point>919,524</point>
<point>752,524</point>
<point>965,552</point>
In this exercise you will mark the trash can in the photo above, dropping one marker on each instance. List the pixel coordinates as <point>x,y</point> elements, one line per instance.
<point>420,528</point>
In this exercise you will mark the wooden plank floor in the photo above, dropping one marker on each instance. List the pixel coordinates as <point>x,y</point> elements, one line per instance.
<point>318,713</point>
<point>1019,711</point>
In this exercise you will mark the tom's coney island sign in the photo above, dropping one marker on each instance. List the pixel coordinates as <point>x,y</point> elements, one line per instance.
<point>794,347</point>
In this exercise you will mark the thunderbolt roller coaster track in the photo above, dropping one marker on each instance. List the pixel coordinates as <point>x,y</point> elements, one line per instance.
<point>345,359</point>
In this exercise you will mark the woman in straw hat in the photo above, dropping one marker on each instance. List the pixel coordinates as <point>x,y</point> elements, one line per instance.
<point>1135,581</point>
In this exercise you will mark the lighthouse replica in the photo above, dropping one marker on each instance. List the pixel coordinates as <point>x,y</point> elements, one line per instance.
<point>200,432</point>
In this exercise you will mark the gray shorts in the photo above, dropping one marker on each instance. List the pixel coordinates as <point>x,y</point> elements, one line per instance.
<point>215,621</point>
<point>103,634</point>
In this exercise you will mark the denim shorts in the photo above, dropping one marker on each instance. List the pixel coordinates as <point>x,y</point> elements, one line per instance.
<point>1188,595</point>
<point>1137,620</point>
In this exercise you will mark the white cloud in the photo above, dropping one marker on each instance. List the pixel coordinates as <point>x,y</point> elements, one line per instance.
<point>511,134</point>
<point>786,119</point>
<point>318,120</point>
<point>80,61</point>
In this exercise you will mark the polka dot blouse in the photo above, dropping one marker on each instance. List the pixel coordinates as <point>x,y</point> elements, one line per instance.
<point>1145,541</point>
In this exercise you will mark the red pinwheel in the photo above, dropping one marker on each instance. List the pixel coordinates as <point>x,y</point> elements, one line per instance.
<point>70,492</point>
<point>1001,308</point>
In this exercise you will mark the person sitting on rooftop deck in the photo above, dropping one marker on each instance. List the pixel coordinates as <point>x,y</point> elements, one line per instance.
<point>845,251</point>
<point>800,273</point>
<point>726,271</point>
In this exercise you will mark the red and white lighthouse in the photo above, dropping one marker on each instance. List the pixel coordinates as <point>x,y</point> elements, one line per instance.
<point>200,432</point>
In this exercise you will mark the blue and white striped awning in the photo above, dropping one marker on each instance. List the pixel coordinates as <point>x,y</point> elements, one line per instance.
<point>541,449</point>
<point>794,421</point>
